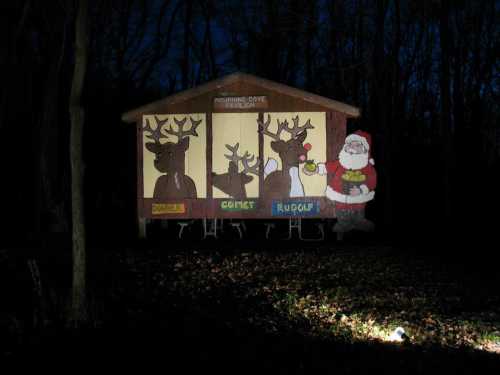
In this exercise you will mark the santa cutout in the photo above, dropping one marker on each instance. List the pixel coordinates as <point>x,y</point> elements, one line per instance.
<point>351,182</point>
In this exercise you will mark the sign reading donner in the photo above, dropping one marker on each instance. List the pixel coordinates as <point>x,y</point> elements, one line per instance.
<point>240,102</point>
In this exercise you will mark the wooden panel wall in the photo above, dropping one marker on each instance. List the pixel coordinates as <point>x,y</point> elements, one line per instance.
<point>209,207</point>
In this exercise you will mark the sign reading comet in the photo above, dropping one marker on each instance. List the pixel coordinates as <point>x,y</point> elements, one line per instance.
<point>244,205</point>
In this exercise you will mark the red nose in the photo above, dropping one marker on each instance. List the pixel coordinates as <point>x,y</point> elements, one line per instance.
<point>308,146</point>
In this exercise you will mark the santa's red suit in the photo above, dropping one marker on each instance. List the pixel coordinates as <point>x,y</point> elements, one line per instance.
<point>336,192</point>
<point>338,189</point>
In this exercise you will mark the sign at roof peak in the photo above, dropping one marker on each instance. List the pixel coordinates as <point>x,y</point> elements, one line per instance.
<point>241,102</point>
<point>279,97</point>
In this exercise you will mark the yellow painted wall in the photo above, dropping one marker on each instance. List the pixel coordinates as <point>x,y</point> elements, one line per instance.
<point>195,155</point>
<point>232,128</point>
<point>313,185</point>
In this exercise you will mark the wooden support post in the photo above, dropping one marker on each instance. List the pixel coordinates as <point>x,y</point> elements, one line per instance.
<point>164,224</point>
<point>294,223</point>
<point>209,227</point>
<point>261,160</point>
<point>182,225</point>
<point>142,227</point>
<point>208,156</point>
<point>269,226</point>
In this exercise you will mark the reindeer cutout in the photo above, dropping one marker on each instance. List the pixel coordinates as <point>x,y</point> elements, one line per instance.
<point>233,182</point>
<point>170,158</point>
<point>286,182</point>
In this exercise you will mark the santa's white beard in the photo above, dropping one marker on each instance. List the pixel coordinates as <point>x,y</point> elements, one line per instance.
<point>353,161</point>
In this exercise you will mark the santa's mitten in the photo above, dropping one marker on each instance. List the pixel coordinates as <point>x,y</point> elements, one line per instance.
<point>322,169</point>
<point>364,189</point>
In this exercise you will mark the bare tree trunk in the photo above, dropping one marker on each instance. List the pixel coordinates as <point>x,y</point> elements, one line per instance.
<point>358,40</point>
<point>206,56</point>
<point>446,124</point>
<point>290,68</point>
<point>185,68</point>
<point>380,91</point>
<point>50,206</point>
<point>392,116</point>
<point>78,313</point>
<point>309,44</point>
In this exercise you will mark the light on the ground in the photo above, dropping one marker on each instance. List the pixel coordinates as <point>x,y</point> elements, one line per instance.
<point>397,335</point>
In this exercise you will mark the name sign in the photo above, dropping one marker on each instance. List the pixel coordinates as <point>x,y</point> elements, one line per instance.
<point>168,208</point>
<point>240,102</point>
<point>238,205</point>
<point>295,208</point>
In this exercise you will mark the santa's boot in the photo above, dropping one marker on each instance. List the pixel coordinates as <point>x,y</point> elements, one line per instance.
<point>362,223</point>
<point>345,221</point>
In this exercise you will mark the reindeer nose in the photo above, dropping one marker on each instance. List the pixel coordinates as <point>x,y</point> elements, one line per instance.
<point>308,147</point>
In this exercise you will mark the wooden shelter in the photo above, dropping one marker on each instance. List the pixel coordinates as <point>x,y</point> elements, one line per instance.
<point>237,147</point>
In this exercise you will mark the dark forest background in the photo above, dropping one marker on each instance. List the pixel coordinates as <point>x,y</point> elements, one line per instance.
<point>426,75</point>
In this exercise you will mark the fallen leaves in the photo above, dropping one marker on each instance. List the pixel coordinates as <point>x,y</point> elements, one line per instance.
<point>350,296</point>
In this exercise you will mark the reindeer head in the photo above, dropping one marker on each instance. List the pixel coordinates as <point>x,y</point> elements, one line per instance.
<point>169,156</point>
<point>291,152</point>
<point>233,182</point>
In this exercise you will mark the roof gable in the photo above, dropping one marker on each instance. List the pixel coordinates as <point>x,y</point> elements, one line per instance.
<point>186,95</point>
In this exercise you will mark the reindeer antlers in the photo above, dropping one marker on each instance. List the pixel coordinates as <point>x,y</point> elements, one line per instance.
<point>247,168</point>
<point>264,128</point>
<point>156,133</point>
<point>234,153</point>
<point>245,159</point>
<point>181,133</point>
<point>294,131</point>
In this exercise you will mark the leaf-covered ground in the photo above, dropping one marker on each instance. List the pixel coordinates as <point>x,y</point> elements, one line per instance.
<point>362,294</point>
<point>297,310</point>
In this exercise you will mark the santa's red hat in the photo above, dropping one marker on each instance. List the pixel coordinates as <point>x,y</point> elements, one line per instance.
<point>363,137</point>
